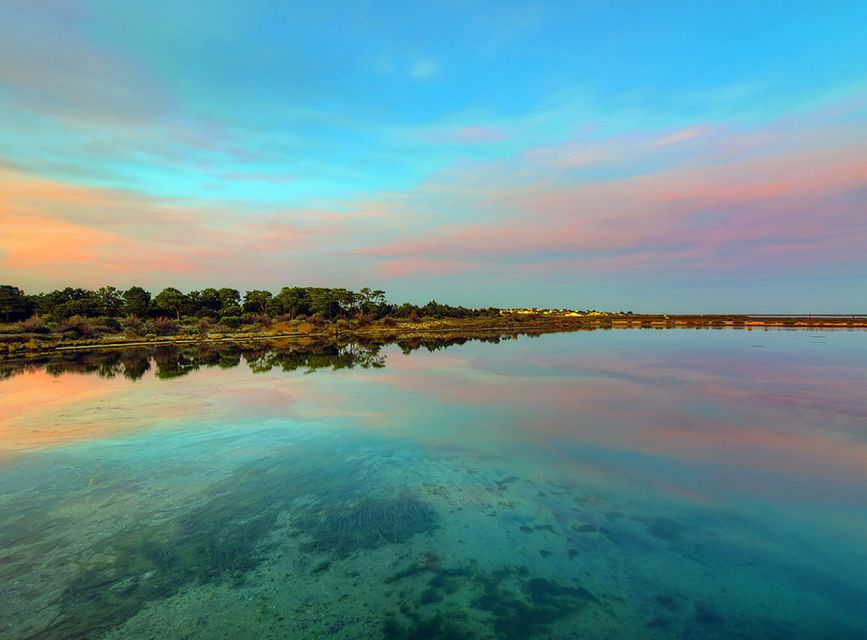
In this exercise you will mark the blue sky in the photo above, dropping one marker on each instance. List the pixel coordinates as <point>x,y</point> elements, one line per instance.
<point>668,155</point>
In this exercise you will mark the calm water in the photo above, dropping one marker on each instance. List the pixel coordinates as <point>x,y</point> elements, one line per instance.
<point>604,484</point>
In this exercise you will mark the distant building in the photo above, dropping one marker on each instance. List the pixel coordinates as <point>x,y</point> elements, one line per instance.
<point>550,312</point>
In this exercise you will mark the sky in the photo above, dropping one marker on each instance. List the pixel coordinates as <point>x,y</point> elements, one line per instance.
<point>657,156</point>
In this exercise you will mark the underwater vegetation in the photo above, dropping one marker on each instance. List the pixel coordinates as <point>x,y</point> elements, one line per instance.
<point>366,524</point>
<point>334,515</point>
<point>522,606</point>
<point>437,626</point>
<point>508,603</point>
<point>227,536</point>
<point>321,528</point>
<point>218,541</point>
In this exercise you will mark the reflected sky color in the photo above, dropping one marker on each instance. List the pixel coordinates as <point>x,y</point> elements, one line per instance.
<point>548,153</point>
<point>708,398</point>
<point>725,469</point>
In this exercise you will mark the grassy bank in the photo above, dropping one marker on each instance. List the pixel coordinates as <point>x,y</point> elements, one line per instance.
<point>21,339</point>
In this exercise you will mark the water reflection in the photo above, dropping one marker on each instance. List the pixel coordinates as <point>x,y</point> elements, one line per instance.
<point>597,485</point>
<point>173,361</point>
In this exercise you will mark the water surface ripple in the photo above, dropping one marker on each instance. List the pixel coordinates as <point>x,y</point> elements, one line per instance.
<point>604,484</point>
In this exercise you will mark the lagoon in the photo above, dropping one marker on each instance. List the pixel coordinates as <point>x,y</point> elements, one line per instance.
<point>596,484</point>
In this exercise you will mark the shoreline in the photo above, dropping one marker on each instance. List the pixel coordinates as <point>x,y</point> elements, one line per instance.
<point>405,330</point>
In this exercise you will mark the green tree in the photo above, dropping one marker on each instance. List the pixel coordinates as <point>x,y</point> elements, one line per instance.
<point>68,302</point>
<point>14,305</point>
<point>329,303</point>
<point>47,303</point>
<point>370,301</point>
<point>171,300</point>
<point>229,298</point>
<point>206,303</point>
<point>137,302</point>
<point>257,300</point>
<point>292,301</point>
<point>109,301</point>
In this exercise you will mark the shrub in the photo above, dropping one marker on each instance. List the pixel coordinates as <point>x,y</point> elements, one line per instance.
<point>79,325</point>
<point>133,325</point>
<point>163,326</point>
<point>231,311</point>
<point>303,327</point>
<point>204,325</point>
<point>388,321</point>
<point>232,322</point>
<point>413,316</point>
<point>109,323</point>
<point>256,318</point>
<point>34,324</point>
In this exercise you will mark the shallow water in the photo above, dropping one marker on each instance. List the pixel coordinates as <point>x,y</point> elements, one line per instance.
<point>604,484</point>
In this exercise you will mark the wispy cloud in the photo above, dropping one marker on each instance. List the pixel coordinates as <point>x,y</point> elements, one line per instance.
<point>255,176</point>
<point>790,193</point>
<point>681,136</point>
<point>471,134</point>
<point>512,144</point>
<point>52,231</point>
<point>48,64</point>
<point>424,69</point>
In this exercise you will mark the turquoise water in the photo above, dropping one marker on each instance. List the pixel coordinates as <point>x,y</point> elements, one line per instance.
<point>604,484</point>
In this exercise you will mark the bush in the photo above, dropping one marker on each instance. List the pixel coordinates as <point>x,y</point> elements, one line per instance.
<point>204,325</point>
<point>33,325</point>
<point>413,316</point>
<point>231,311</point>
<point>232,322</point>
<point>79,325</point>
<point>388,321</point>
<point>163,326</point>
<point>256,318</point>
<point>133,325</point>
<point>107,322</point>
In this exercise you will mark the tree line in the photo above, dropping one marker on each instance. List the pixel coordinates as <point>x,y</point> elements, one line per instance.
<point>225,305</point>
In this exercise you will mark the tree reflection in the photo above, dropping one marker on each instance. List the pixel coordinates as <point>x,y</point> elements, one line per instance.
<point>174,361</point>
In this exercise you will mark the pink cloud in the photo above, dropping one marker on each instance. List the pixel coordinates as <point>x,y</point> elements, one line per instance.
<point>479,134</point>
<point>52,231</point>
<point>57,230</point>
<point>787,194</point>
<point>783,195</point>
<point>406,267</point>
<point>473,134</point>
<point>681,136</point>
